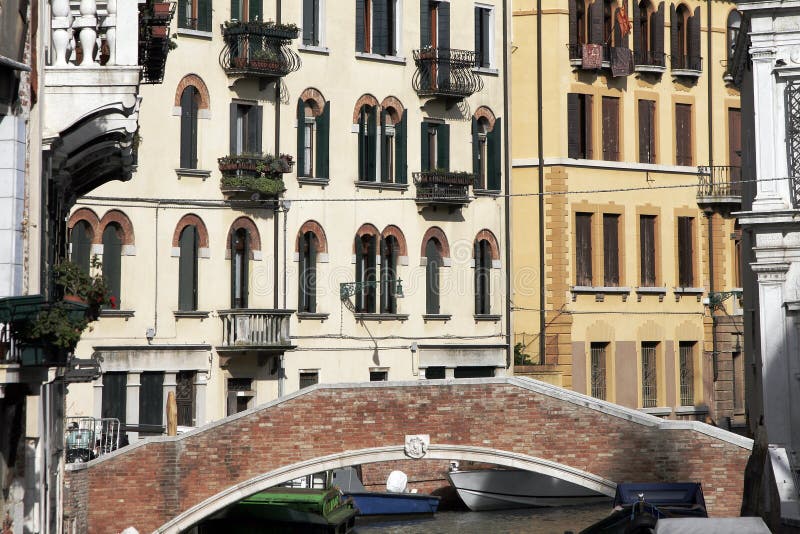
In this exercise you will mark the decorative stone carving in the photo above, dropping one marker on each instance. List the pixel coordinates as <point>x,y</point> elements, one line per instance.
<point>417,445</point>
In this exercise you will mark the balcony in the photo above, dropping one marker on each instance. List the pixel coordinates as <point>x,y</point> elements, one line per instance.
<point>154,40</point>
<point>683,65</point>
<point>446,73</point>
<point>253,176</point>
<point>252,329</point>
<point>720,186</point>
<point>649,61</point>
<point>259,49</point>
<point>443,188</point>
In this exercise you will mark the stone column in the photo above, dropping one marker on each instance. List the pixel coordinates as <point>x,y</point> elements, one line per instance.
<point>97,387</point>
<point>132,402</point>
<point>200,387</point>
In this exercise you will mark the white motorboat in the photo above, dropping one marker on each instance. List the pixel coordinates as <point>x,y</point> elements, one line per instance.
<point>499,489</point>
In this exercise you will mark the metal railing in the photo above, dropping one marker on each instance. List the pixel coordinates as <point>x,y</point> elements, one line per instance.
<point>251,328</point>
<point>649,58</point>
<point>443,187</point>
<point>684,62</point>
<point>446,72</point>
<point>719,181</point>
<point>256,50</point>
<point>88,438</point>
<point>9,353</point>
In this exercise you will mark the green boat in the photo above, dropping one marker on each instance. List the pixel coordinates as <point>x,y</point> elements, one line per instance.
<point>285,510</point>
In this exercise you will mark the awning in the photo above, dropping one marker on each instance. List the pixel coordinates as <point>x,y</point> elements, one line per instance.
<point>20,308</point>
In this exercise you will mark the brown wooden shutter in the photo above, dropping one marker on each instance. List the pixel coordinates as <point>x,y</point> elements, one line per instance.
<point>610,128</point>
<point>651,112</point>
<point>587,127</point>
<point>638,38</point>
<point>674,42</point>
<point>683,133</point>
<point>583,249</point>
<point>647,250</point>
<point>647,136</point>
<point>596,22</point>
<point>735,146</point>
<point>610,250</point>
<point>693,41</point>
<point>573,26</point>
<point>685,252</point>
<point>657,34</point>
<point>573,126</point>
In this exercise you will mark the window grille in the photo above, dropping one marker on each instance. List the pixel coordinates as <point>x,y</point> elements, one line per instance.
<point>308,378</point>
<point>687,373</point>
<point>184,397</point>
<point>598,351</point>
<point>240,384</point>
<point>793,139</point>
<point>649,386</point>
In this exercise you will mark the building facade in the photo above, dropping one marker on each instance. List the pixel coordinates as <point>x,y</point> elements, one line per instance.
<point>631,291</point>
<point>318,198</point>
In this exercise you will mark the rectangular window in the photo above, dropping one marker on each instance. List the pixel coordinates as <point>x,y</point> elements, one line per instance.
<point>378,376</point>
<point>610,128</point>
<point>647,131</point>
<point>683,134</point>
<point>598,354</point>
<point>579,125</point>
<point>240,394</point>
<point>435,373</point>
<point>686,355</point>
<point>649,374</point>
<point>308,378</point>
<point>194,15</point>
<point>484,30</point>
<point>185,397</point>
<point>312,23</point>
<point>377,27</point>
<point>246,10</point>
<point>583,249</point>
<point>246,137</point>
<point>115,396</point>
<point>610,250</point>
<point>647,250</point>
<point>308,147</point>
<point>473,372</point>
<point>435,146</point>
<point>151,402</point>
<point>685,252</point>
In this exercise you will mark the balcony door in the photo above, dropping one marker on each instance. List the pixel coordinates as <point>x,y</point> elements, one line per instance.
<point>735,145</point>
<point>435,33</point>
<point>240,260</point>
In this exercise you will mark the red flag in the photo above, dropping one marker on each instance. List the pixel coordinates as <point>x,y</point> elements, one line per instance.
<point>625,25</point>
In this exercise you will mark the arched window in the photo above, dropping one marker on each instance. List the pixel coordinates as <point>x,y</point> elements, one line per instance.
<point>680,28</point>
<point>307,298</point>
<point>685,38</point>
<point>112,262</point>
<point>81,243</point>
<point>389,254</point>
<point>313,127</point>
<point>367,143</point>
<point>432,266</point>
<point>240,272</point>
<point>190,99</point>
<point>366,251</point>
<point>648,33</point>
<point>394,125</point>
<point>734,23</point>
<point>486,152</point>
<point>483,270</point>
<point>608,22</point>
<point>187,269</point>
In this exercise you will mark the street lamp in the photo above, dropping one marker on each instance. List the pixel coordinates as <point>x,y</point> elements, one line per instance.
<point>348,289</point>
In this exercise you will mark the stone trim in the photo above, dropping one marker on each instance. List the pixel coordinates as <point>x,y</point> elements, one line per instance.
<point>248,224</point>
<point>199,84</point>
<point>365,229</point>
<point>395,232</point>
<point>485,113</point>
<point>366,99</point>
<point>395,104</point>
<point>434,232</point>
<point>90,217</point>
<point>318,101</point>
<point>322,240</point>
<point>489,236</point>
<point>124,223</point>
<point>188,220</point>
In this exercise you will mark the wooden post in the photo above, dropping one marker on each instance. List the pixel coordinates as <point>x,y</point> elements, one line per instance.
<point>172,414</point>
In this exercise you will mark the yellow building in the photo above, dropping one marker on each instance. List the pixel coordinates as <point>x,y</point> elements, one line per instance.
<point>625,155</point>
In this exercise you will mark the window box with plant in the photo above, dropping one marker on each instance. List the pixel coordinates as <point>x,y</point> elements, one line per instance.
<point>254,173</point>
<point>259,48</point>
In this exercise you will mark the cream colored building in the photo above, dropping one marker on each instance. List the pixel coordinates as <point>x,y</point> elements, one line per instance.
<point>368,95</point>
<point>638,301</point>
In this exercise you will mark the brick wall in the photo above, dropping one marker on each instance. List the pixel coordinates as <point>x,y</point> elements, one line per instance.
<point>148,485</point>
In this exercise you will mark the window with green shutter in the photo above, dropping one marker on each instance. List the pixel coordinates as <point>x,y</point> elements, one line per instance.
<point>311,23</point>
<point>240,267</point>
<point>367,143</point>
<point>307,290</point>
<point>112,262</point>
<point>187,269</point>
<point>195,15</point>
<point>432,265</point>
<point>190,99</point>
<point>80,240</point>
<point>483,269</point>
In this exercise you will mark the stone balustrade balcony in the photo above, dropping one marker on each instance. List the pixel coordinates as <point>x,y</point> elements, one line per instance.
<point>255,329</point>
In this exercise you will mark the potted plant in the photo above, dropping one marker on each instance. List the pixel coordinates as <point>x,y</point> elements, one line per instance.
<point>265,59</point>
<point>78,286</point>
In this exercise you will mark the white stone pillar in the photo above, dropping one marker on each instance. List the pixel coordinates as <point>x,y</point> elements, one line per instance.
<point>97,387</point>
<point>127,33</point>
<point>774,350</point>
<point>61,26</point>
<point>132,402</point>
<point>200,387</point>
<point>110,25</point>
<point>87,27</point>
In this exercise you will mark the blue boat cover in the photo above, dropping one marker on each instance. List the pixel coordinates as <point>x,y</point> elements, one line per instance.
<point>660,494</point>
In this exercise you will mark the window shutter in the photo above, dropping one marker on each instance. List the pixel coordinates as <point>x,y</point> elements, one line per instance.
<point>683,132</point>
<point>235,13</point>
<point>657,33</point>
<point>443,29</point>
<point>112,257</point>
<point>204,15</point>
<point>372,134</point>
<point>232,252</point>
<point>360,30</point>
<point>432,278</point>
<point>233,134</point>
<point>401,149</point>
<point>587,124</point>
<point>254,121</point>
<point>610,128</point>
<point>371,274</point>
<point>644,131</point>
<point>301,121</point>
<point>596,22</point>
<point>114,396</point>
<point>573,126</point>
<point>424,23</point>
<point>187,270</point>
<point>246,270</point>
<point>362,144</point>
<point>255,10</point>
<point>486,270</point>
<point>182,12</point>
<point>573,24</point>
<point>674,46</point>
<point>611,250</point>
<point>302,268</point>
<point>425,162</point>
<point>478,282</point>
<point>616,31</point>
<point>380,29</point>
<point>651,121</point>
<point>443,147</point>
<point>189,128</point>
<point>647,250</point>
<point>486,34</point>
<point>323,138</point>
<point>311,270</point>
<point>638,38</point>
<point>309,16</point>
<point>478,39</point>
<point>693,40</point>
<point>384,152</point>
<point>360,274</point>
<point>494,155</point>
<point>476,160</point>
<point>685,252</point>
<point>384,277</point>
<point>583,249</point>
<point>151,398</point>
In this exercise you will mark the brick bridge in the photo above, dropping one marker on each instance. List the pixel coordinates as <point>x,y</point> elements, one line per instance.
<point>167,484</point>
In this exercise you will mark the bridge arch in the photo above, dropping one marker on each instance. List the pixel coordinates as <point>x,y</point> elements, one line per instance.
<point>240,491</point>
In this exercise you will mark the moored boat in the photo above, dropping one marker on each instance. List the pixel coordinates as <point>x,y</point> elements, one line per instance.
<point>501,489</point>
<point>382,503</point>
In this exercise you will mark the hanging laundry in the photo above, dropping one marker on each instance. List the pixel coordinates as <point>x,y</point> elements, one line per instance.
<point>621,61</point>
<point>625,24</point>
<point>592,56</point>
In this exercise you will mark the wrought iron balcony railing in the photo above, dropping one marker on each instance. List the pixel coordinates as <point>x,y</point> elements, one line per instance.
<point>693,64</point>
<point>258,49</point>
<point>443,187</point>
<point>446,73</point>
<point>719,185</point>
<point>251,329</point>
<point>649,58</point>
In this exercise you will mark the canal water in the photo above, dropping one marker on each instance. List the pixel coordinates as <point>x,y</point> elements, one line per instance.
<point>523,521</point>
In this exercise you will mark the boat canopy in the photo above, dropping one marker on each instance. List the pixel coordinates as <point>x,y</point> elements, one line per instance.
<point>660,494</point>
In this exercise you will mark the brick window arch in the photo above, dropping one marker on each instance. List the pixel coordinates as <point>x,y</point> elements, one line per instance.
<point>484,112</point>
<point>204,101</point>
<point>395,232</point>
<point>90,217</point>
<point>246,223</point>
<point>490,238</point>
<point>437,234</point>
<point>364,100</point>
<point>313,226</point>
<point>194,220</point>
<point>124,224</point>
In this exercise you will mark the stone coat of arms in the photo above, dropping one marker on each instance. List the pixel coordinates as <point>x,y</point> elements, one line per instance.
<point>417,445</point>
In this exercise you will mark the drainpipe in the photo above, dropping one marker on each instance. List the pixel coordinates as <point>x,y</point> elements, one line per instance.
<point>507,188</point>
<point>540,148</point>
<point>277,151</point>
<point>710,214</point>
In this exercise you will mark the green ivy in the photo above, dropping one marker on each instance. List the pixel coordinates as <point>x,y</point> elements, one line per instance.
<point>265,185</point>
